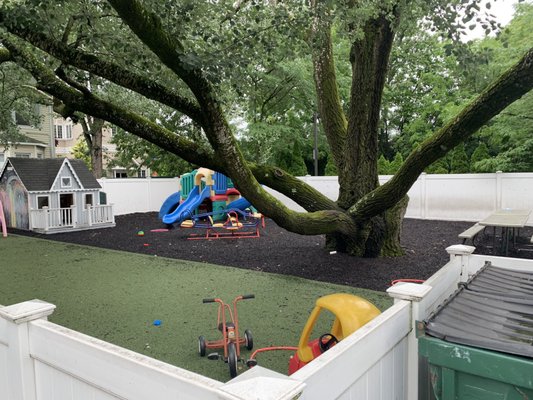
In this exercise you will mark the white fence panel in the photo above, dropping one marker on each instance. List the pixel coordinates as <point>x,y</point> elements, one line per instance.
<point>110,370</point>
<point>461,197</point>
<point>517,191</point>
<point>373,356</point>
<point>57,385</point>
<point>138,195</point>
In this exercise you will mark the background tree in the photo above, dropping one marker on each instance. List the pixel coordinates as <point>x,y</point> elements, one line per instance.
<point>18,100</point>
<point>188,56</point>
<point>459,160</point>
<point>81,152</point>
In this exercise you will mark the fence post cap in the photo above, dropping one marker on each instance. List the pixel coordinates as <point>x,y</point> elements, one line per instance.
<point>408,291</point>
<point>460,249</point>
<point>262,384</point>
<point>27,311</point>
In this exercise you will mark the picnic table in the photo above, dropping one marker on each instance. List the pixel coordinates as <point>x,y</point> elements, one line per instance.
<point>508,220</point>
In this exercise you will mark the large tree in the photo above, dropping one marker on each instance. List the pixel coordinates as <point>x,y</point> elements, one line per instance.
<point>182,55</point>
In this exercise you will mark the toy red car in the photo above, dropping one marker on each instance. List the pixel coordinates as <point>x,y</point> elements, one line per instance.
<point>351,312</point>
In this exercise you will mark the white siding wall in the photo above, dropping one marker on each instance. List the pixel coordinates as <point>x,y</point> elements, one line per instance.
<point>465,197</point>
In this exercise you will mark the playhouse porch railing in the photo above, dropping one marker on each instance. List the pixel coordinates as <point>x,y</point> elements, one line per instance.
<point>47,219</point>
<point>103,214</point>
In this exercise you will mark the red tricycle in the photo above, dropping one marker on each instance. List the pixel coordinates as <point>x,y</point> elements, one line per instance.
<point>231,340</point>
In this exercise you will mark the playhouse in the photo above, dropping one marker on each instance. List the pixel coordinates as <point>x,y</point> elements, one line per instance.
<point>52,195</point>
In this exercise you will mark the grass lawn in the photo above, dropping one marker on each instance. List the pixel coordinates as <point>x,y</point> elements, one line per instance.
<point>116,296</point>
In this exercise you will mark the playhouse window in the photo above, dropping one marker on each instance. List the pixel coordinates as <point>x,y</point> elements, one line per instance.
<point>88,200</point>
<point>42,201</point>
<point>66,182</point>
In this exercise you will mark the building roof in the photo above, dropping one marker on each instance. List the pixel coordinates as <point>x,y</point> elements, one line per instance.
<point>491,311</point>
<point>40,174</point>
<point>22,138</point>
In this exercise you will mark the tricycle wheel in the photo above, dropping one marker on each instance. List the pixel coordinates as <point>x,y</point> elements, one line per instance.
<point>248,339</point>
<point>232,359</point>
<point>201,346</point>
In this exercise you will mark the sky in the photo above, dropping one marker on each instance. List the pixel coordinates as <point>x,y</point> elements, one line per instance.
<point>502,9</point>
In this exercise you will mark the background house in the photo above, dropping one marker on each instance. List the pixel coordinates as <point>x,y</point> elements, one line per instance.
<point>37,142</point>
<point>57,137</point>
<point>68,135</point>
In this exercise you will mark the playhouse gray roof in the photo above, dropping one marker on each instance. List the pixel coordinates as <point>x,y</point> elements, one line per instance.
<point>40,174</point>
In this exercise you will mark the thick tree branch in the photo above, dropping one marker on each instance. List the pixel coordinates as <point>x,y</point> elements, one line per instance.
<point>305,195</point>
<point>329,104</point>
<point>107,70</point>
<point>286,184</point>
<point>92,105</point>
<point>148,28</point>
<point>511,86</point>
<point>369,57</point>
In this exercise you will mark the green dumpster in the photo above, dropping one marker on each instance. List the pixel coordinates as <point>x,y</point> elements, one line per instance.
<point>478,345</point>
<point>452,371</point>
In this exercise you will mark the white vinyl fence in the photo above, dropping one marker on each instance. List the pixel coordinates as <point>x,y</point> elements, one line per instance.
<point>464,197</point>
<point>40,360</point>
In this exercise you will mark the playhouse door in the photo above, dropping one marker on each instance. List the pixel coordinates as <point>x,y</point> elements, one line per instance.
<point>66,200</point>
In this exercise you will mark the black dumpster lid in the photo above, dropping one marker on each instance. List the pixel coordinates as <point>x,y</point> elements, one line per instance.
<point>493,310</point>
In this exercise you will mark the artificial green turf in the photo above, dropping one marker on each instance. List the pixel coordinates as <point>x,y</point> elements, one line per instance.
<point>116,296</point>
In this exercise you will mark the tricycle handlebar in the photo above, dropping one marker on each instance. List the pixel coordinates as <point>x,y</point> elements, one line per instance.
<point>208,300</point>
<point>248,296</point>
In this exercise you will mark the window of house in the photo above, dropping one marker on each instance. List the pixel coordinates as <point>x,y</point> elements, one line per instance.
<point>23,155</point>
<point>113,130</point>
<point>21,120</point>
<point>88,199</point>
<point>39,155</point>
<point>142,173</point>
<point>58,131</point>
<point>42,201</point>
<point>121,174</point>
<point>63,130</point>
<point>66,182</point>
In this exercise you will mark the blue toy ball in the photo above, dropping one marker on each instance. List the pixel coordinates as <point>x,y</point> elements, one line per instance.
<point>157,322</point>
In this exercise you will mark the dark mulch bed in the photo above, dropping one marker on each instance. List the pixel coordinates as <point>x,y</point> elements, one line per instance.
<point>282,252</point>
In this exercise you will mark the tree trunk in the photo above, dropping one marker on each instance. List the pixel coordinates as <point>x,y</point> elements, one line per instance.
<point>354,143</point>
<point>393,222</point>
<point>93,133</point>
<point>97,161</point>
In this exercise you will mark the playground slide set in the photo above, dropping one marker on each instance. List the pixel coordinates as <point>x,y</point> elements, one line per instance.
<point>183,205</point>
<point>3,222</point>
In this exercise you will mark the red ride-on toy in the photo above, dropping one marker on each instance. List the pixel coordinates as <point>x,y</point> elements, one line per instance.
<point>350,312</point>
<point>231,341</point>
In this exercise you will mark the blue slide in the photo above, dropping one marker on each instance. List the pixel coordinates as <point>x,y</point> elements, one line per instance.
<point>186,209</point>
<point>170,204</point>
<point>239,204</point>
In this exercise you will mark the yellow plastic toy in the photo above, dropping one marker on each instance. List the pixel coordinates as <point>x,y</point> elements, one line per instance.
<point>351,312</point>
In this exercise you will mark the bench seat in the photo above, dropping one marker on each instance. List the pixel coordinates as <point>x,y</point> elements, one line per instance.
<point>471,232</point>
